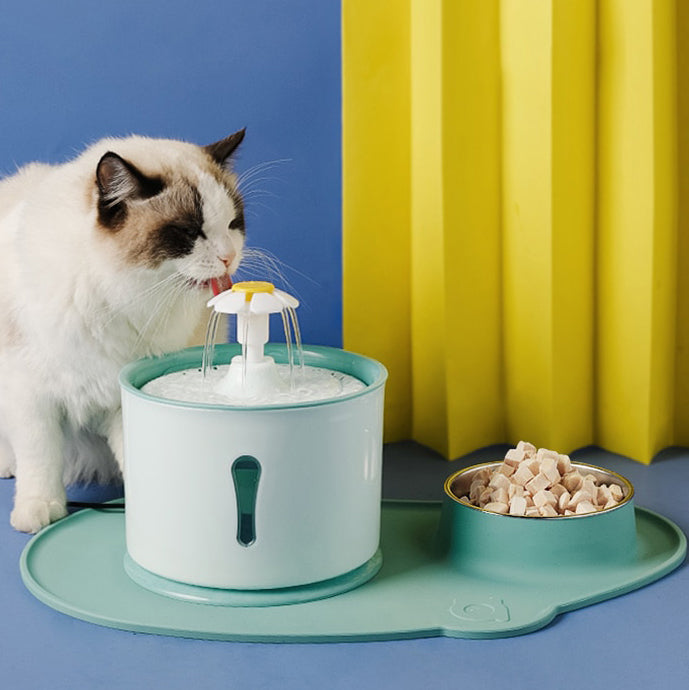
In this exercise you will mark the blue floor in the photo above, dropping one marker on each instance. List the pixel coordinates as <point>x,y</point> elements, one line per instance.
<point>638,640</point>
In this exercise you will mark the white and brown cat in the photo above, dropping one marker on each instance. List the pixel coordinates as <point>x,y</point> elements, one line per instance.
<point>103,259</point>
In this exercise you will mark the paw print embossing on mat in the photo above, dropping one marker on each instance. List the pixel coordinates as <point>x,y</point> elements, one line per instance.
<point>493,609</point>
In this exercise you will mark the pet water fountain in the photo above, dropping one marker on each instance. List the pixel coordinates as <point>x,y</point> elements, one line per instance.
<point>253,512</point>
<point>273,496</point>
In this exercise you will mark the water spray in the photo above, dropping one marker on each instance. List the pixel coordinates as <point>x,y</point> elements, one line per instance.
<point>253,373</point>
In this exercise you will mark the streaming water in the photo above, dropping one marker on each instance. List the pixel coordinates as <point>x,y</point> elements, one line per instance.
<point>290,326</point>
<point>296,382</point>
<point>209,344</point>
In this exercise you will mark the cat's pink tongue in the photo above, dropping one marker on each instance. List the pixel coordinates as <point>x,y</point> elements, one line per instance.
<point>221,284</point>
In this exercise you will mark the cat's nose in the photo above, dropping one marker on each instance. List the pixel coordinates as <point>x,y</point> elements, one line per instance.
<point>227,259</point>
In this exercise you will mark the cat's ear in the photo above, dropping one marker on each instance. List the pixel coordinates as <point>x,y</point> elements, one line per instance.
<point>119,181</point>
<point>221,150</point>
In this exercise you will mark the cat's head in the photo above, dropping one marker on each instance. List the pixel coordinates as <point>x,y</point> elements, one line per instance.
<point>169,206</point>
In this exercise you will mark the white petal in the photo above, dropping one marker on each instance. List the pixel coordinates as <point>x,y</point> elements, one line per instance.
<point>288,299</point>
<point>264,303</point>
<point>229,302</point>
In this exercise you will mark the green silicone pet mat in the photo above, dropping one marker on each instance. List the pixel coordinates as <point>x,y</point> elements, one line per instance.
<point>76,567</point>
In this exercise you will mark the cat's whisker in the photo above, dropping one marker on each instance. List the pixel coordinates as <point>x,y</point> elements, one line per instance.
<point>251,193</point>
<point>253,185</point>
<point>151,289</point>
<point>255,203</point>
<point>157,292</point>
<point>265,263</point>
<point>153,314</point>
<point>259,193</point>
<point>115,310</point>
<point>259,168</point>
<point>160,313</point>
<point>157,322</point>
<point>278,263</point>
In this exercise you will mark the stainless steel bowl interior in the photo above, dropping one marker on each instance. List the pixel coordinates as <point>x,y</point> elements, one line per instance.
<point>457,485</point>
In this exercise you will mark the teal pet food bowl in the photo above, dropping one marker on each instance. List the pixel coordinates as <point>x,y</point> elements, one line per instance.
<point>514,547</point>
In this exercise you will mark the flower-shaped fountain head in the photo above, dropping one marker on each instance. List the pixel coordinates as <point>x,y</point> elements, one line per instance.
<point>253,302</point>
<point>255,296</point>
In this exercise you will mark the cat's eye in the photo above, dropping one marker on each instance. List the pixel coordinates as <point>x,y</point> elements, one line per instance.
<point>190,230</point>
<point>237,223</point>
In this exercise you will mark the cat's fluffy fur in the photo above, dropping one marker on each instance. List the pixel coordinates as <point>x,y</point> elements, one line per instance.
<point>103,259</point>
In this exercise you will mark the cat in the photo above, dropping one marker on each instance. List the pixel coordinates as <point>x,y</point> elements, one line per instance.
<point>103,259</point>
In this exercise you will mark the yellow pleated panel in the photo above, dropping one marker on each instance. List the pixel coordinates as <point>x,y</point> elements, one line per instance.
<point>527,233</point>
<point>636,224</point>
<point>456,370</point>
<point>376,195</point>
<point>428,298</point>
<point>519,162</point>
<point>471,215</point>
<point>573,221</point>
<point>682,335</point>
<point>665,268</point>
<point>548,51</point>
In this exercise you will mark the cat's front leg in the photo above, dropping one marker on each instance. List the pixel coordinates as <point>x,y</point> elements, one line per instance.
<point>114,433</point>
<point>7,463</point>
<point>37,441</point>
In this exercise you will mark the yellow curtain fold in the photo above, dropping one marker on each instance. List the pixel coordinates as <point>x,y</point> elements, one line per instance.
<point>681,393</point>
<point>636,226</point>
<point>511,211</point>
<point>548,51</point>
<point>454,224</point>
<point>376,191</point>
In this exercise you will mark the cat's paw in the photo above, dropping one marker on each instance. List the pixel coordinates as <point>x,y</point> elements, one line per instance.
<point>32,514</point>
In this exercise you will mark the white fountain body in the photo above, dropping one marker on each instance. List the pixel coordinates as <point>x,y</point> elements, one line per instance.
<point>253,504</point>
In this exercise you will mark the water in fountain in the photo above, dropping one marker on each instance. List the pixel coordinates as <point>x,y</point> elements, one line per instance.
<point>313,384</point>
<point>252,378</point>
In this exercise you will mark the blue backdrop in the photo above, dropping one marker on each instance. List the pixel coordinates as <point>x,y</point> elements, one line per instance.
<point>76,70</point>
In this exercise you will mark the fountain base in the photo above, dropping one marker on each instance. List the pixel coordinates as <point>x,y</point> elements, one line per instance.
<point>253,597</point>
